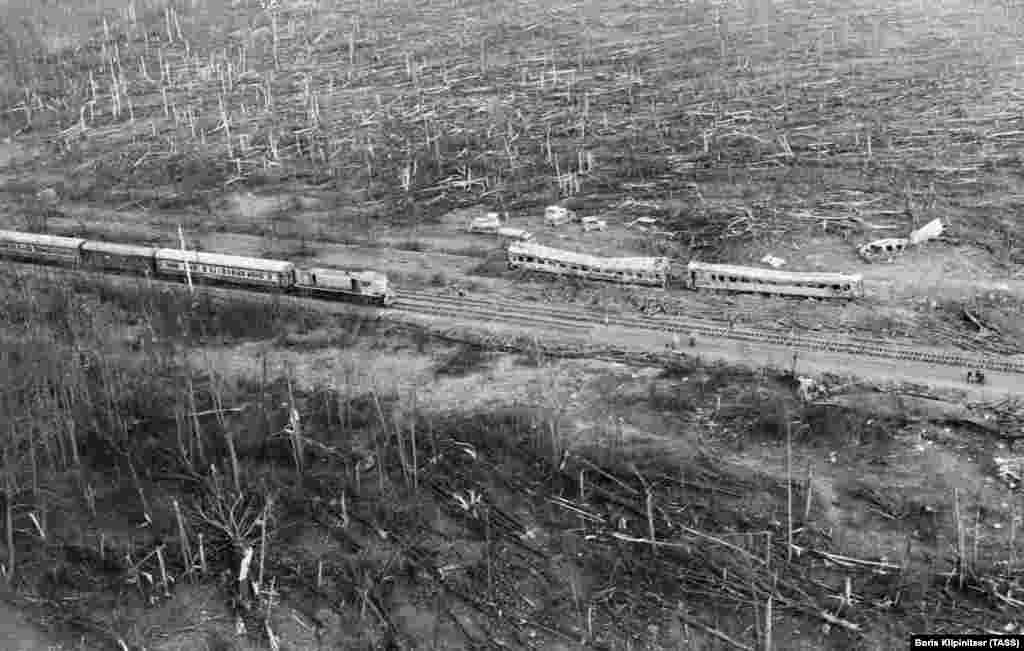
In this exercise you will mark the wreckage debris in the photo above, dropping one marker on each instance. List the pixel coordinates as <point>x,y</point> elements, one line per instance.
<point>492,224</point>
<point>1010,470</point>
<point>557,215</point>
<point>890,247</point>
<point>887,247</point>
<point>929,231</point>
<point>487,224</point>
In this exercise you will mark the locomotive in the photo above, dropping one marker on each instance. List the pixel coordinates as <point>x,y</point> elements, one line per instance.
<point>369,287</point>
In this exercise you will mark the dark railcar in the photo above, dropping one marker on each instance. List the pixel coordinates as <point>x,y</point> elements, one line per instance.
<point>119,257</point>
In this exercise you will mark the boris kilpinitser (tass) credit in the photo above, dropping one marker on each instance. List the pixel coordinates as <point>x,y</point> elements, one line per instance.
<point>967,642</point>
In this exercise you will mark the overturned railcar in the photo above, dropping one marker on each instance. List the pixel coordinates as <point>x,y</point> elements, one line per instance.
<point>638,271</point>
<point>724,277</point>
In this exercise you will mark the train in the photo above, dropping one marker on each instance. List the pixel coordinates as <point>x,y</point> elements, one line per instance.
<point>637,271</point>
<point>733,278</point>
<point>654,272</point>
<point>372,287</point>
<point>369,287</point>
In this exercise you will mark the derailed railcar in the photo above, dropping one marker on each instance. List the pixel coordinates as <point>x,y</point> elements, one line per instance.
<point>36,247</point>
<point>221,268</point>
<point>109,256</point>
<point>724,277</point>
<point>637,271</point>
<point>358,286</point>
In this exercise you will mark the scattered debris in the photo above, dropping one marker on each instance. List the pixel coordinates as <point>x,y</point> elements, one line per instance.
<point>557,215</point>
<point>488,224</point>
<point>1010,470</point>
<point>643,223</point>
<point>879,248</point>
<point>892,246</point>
<point>773,261</point>
<point>515,234</point>
<point>907,407</point>
<point>47,195</point>
<point>808,389</point>
<point>594,224</point>
<point>929,231</point>
<point>983,328</point>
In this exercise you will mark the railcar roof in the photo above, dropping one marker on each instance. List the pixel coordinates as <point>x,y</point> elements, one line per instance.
<point>119,249</point>
<point>653,265</point>
<point>224,260</point>
<point>774,274</point>
<point>327,272</point>
<point>37,238</point>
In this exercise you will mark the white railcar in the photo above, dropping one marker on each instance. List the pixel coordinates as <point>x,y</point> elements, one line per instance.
<point>724,277</point>
<point>639,270</point>
<point>226,268</point>
<point>362,286</point>
<point>41,248</point>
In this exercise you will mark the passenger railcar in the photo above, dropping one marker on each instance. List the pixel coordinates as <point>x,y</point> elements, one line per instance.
<point>223,268</point>
<point>359,286</point>
<point>701,275</point>
<point>638,271</point>
<point>109,256</point>
<point>41,248</point>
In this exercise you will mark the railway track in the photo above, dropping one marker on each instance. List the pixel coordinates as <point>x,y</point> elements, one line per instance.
<point>579,320</point>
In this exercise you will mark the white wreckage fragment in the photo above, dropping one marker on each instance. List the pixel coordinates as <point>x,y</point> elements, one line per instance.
<point>929,231</point>
<point>1010,470</point>
<point>887,247</point>
<point>773,261</point>
<point>557,215</point>
<point>489,224</point>
<point>893,246</point>
<point>515,234</point>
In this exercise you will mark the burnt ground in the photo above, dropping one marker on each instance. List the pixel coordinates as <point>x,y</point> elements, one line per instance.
<point>435,495</point>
